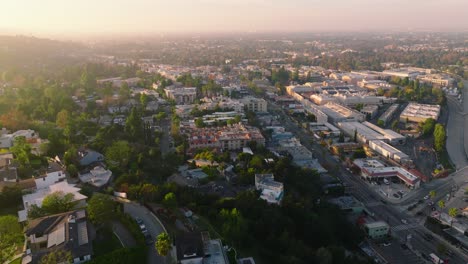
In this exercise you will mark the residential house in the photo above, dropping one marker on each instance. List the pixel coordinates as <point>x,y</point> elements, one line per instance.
<point>271,190</point>
<point>199,248</point>
<point>37,197</point>
<point>88,157</point>
<point>97,177</point>
<point>70,231</point>
<point>8,171</point>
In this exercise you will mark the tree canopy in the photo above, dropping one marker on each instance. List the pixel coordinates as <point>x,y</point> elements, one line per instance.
<point>163,244</point>
<point>11,234</point>
<point>101,208</point>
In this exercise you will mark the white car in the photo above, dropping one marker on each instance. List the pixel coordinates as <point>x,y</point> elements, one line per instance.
<point>404,221</point>
<point>426,197</point>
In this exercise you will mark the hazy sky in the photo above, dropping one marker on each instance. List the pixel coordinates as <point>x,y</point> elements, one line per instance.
<point>45,17</point>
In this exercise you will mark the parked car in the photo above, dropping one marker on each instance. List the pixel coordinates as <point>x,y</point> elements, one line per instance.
<point>139,221</point>
<point>426,197</point>
<point>148,239</point>
<point>386,244</point>
<point>386,181</point>
<point>404,221</point>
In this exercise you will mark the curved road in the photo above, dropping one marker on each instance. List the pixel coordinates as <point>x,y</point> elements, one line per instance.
<point>151,223</point>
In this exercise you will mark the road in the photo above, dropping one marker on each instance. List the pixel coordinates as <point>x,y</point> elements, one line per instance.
<point>392,214</point>
<point>456,131</point>
<point>153,226</point>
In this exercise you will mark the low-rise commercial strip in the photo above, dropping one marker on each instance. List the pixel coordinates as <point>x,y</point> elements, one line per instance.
<point>373,169</point>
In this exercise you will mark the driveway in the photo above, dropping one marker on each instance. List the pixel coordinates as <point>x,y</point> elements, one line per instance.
<point>153,226</point>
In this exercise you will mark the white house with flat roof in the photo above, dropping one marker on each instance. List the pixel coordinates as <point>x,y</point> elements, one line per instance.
<point>36,198</point>
<point>272,191</point>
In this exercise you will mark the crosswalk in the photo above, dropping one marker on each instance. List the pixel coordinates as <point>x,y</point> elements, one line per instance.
<point>403,227</point>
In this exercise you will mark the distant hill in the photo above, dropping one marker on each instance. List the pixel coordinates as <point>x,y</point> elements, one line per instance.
<point>29,52</point>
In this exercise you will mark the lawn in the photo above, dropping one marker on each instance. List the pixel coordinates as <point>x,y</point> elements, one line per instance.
<point>16,261</point>
<point>106,241</point>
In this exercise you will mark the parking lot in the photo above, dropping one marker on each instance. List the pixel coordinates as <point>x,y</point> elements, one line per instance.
<point>390,189</point>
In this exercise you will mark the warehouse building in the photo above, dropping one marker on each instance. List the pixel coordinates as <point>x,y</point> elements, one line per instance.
<point>388,115</point>
<point>420,112</point>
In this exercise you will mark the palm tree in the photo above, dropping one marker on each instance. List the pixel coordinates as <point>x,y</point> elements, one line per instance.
<point>453,212</point>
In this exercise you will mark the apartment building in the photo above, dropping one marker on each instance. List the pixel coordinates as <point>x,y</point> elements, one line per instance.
<point>255,104</point>
<point>230,137</point>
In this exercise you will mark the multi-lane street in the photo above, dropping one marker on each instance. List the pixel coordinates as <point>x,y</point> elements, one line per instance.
<point>391,213</point>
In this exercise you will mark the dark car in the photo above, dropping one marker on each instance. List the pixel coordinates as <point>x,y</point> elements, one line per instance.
<point>139,221</point>
<point>404,246</point>
<point>148,239</point>
<point>396,195</point>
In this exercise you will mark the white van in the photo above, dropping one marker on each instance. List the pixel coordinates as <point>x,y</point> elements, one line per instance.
<point>386,181</point>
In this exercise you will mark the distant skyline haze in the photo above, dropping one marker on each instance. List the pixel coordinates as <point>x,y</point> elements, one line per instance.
<point>90,17</point>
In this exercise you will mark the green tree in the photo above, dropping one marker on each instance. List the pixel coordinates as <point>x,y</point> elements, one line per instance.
<point>439,138</point>
<point>234,226</point>
<point>58,256</point>
<point>11,235</point>
<point>453,212</point>
<point>70,156</point>
<point>395,124</point>
<point>22,150</point>
<point>163,244</point>
<point>441,204</point>
<point>144,100</point>
<point>118,154</point>
<point>170,200</point>
<point>134,125</point>
<point>380,123</point>
<point>432,194</point>
<point>101,208</point>
<point>427,127</point>
<point>124,92</point>
<point>58,202</point>
<point>72,170</point>
<point>199,122</point>
<point>63,117</point>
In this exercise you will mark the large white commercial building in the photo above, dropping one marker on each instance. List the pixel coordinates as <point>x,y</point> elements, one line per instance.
<point>415,112</point>
<point>340,113</point>
<point>436,79</point>
<point>389,152</point>
<point>366,132</point>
